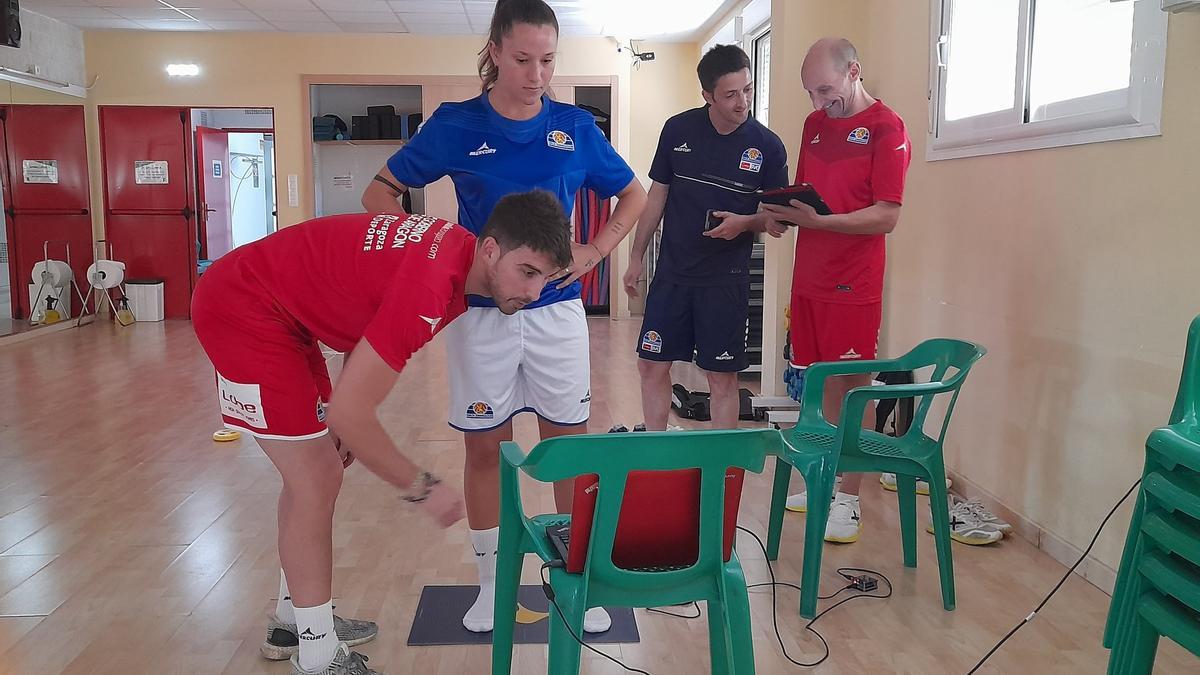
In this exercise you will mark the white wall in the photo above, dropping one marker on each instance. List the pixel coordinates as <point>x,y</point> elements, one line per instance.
<point>50,49</point>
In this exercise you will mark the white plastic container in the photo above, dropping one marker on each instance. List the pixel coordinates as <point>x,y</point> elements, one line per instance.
<point>145,298</point>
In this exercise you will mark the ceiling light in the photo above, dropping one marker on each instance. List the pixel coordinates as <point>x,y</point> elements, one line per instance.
<point>183,70</point>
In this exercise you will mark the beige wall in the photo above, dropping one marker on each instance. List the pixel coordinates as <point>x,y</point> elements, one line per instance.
<point>264,70</point>
<point>13,92</point>
<point>1074,266</point>
<point>661,88</point>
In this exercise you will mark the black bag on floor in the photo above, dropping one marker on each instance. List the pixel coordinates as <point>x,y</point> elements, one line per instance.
<point>690,405</point>
<point>695,405</point>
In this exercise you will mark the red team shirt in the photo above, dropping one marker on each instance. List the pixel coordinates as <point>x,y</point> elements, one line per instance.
<point>259,310</point>
<point>853,163</point>
<point>395,281</point>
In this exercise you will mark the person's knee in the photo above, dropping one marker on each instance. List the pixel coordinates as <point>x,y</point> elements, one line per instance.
<point>722,384</point>
<point>654,371</point>
<point>483,454</point>
<point>316,486</point>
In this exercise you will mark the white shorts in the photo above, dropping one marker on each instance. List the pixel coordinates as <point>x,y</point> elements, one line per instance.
<point>535,360</point>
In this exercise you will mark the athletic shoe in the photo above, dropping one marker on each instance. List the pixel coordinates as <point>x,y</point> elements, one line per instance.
<point>888,481</point>
<point>282,643</point>
<point>845,520</point>
<point>967,529</point>
<point>976,508</point>
<point>345,662</point>
<point>799,502</point>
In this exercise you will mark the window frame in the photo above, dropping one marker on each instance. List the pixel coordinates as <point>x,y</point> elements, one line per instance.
<point>761,83</point>
<point>1089,119</point>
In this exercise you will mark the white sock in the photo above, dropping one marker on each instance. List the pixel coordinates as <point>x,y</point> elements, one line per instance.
<point>596,620</point>
<point>481,616</point>
<point>284,611</point>
<point>318,641</point>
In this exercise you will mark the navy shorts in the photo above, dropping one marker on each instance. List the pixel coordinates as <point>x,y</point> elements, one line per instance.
<point>707,321</point>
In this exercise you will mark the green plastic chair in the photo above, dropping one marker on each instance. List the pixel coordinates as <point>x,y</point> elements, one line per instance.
<point>1172,455</point>
<point>820,450</point>
<point>612,456</point>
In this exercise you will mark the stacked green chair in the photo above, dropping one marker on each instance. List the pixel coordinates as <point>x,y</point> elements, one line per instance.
<point>819,450</point>
<point>1158,585</point>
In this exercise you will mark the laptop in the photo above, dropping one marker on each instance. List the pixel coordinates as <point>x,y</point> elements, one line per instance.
<point>659,524</point>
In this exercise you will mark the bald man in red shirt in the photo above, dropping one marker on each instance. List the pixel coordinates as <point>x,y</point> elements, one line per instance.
<point>855,151</point>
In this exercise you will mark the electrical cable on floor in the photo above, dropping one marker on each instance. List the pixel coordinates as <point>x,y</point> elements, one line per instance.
<point>1057,586</point>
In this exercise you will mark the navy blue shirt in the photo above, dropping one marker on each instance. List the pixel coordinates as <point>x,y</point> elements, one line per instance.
<point>706,170</point>
<point>489,156</point>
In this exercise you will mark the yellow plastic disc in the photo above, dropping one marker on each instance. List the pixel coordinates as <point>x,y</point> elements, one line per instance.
<point>226,435</point>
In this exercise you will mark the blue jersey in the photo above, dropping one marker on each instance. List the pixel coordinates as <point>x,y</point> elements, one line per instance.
<point>489,156</point>
<point>706,171</point>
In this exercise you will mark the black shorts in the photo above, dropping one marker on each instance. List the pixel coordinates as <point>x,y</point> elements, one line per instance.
<point>707,321</point>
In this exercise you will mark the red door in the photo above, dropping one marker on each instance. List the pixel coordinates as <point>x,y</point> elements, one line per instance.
<point>48,198</point>
<point>216,217</point>
<point>149,208</point>
<point>6,201</point>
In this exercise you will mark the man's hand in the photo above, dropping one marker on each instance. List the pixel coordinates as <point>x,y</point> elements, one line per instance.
<point>732,225</point>
<point>798,214</point>
<point>633,275</point>
<point>444,504</point>
<point>584,257</point>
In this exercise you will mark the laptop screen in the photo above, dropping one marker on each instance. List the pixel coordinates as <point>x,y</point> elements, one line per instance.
<point>659,524</point>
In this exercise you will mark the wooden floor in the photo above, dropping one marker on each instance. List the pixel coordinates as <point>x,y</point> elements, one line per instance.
<point>131,543</point>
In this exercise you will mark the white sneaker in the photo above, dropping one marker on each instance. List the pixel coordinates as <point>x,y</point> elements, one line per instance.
<point>596,620</point>
<point>888,481</point>
<point>799,502</point>
<point>845,520</point>
<point>965,528</point>
<point>976,508</point>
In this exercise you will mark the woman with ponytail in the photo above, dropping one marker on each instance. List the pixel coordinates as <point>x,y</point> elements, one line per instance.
<point>514,138</point>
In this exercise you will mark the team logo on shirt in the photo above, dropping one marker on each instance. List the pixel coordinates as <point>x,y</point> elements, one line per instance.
<point>480,411</point>
<point>482,150</point>
<point>816,139</point>
<point>561,140</point>
<point>433,322</point>
<point>320,412</point>
<point>860,136</point>
<point>652,342</point>
<point>683,148</point>
<point>725,356</point>
<point>850,355</point>
<point>751,160</point>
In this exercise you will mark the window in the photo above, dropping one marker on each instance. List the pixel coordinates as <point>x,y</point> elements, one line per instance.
<point>1010,75</point>
<point>761,58</point>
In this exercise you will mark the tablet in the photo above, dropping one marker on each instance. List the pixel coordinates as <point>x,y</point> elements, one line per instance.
<point>803,192</point>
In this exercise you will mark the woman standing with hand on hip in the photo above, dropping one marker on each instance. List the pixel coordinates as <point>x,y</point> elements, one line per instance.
<point>513,138</point>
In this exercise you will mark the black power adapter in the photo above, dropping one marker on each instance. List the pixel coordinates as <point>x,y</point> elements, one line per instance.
<point>865,583</point>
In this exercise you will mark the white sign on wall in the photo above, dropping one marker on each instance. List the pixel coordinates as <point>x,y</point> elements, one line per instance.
<point>43,171</point>
<point>150,172</point>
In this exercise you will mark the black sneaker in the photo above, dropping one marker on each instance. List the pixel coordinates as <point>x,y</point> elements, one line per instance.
<point>282,643</point>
